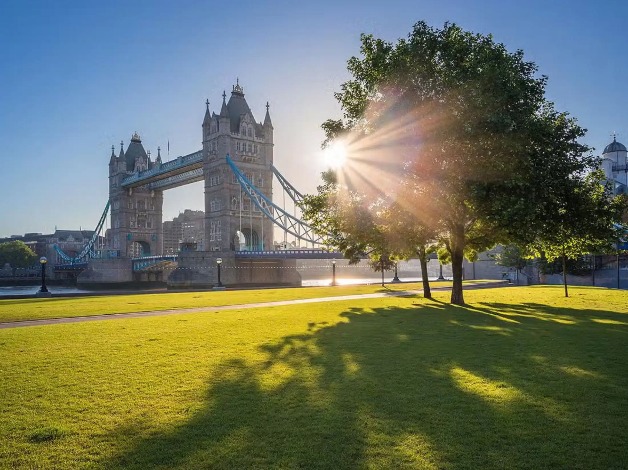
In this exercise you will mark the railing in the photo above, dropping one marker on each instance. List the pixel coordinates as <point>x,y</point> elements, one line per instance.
<point>141,263</point>
<point>70,267</point>
<point>293,254</point>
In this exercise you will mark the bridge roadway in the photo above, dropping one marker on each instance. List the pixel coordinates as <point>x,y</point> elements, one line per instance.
<point>145,262</point>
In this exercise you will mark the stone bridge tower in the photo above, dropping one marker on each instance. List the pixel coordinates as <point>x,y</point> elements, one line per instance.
<point>136,214</point>
<point>230,217</point>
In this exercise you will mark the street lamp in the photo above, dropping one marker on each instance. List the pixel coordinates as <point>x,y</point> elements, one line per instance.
<point>43,290</point>
<point>333,272</point>
<point>396,278</point>
<point>218,263</point>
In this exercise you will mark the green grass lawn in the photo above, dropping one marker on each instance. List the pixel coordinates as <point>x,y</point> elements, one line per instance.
<point>520,378</point>
<point>41,308</point>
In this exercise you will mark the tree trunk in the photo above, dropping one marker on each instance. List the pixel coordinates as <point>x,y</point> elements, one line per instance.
<point>427,293</point>
<point>457,257</point>
<point>565,273</point>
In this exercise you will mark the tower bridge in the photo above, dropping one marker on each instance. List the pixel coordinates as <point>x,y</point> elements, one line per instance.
<point>236,165</point>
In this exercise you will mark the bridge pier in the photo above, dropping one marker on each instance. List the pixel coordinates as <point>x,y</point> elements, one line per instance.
<point>198,269</point>
<point>105,271</point>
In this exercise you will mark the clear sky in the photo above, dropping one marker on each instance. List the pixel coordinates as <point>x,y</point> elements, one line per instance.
<point>77,77</point>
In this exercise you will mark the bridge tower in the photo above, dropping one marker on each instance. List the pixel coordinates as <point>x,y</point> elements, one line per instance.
<point>250,144</point>
<point>136,213</point>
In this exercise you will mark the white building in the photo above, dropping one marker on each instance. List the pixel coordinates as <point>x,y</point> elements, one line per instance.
<point>615,166</point>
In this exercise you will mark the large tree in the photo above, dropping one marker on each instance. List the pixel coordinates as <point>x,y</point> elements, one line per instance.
<point>464,127</point>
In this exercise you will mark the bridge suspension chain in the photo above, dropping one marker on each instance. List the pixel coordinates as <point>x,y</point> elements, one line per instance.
<point>294,194</point>
<point>279,216</point>
<point>87,249</point>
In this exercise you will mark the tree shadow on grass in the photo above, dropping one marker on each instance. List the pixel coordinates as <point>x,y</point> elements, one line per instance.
<point>433,386</point>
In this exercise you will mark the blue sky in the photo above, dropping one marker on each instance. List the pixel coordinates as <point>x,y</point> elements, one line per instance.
<point>77,77</point>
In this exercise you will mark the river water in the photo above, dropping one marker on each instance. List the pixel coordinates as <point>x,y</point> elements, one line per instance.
<point>28,290</point>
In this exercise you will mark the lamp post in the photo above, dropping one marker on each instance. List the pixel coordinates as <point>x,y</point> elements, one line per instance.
<point>333,272</point>
<point>218,263</point>
<point>396,277</point>
<point>43,290</point>
<point>440,275</point>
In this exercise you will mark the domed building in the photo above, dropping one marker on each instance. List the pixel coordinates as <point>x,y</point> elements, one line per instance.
<point>615,166</point>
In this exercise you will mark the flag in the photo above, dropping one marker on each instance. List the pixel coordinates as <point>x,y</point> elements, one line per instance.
<point>168,146</point>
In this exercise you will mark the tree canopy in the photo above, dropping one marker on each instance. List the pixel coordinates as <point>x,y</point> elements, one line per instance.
<point>17,253</point>
<point>455,133</point>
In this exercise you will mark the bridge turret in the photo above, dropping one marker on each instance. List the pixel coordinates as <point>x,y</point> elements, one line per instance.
<point>136,214</point>
<point>246,140</point>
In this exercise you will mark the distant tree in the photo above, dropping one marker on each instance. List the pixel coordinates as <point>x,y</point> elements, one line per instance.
<point>514,257</point>
<point>582,221</point>
<point>408,238</point>
<point>463,126</point>
<point>18,254</point>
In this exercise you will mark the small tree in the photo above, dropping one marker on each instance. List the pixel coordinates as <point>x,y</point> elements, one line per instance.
<point>18,254</point>
<point>512,257</point>
<point>583,222</point>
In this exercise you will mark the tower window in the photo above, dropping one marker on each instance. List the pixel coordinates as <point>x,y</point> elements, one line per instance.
<point>214,231</point>
<point>215,205</point>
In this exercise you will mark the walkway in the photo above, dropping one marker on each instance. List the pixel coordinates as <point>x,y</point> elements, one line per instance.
<point>158,313</point>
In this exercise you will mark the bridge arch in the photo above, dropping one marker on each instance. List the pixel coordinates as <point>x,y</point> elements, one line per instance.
<point>139,248</point>
<point>252,240</point>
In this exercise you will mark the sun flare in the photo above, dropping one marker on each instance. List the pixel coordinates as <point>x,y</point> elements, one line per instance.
<point>335,155</point>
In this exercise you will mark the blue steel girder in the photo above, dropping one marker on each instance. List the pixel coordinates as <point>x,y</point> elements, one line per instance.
<point>280,217</point>
<point>294,194</point>
<point>181,165</point>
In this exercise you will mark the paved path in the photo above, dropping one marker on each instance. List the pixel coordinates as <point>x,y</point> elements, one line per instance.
<point>209,308</point>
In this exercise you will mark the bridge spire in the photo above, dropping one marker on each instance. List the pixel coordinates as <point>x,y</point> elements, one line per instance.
<point>267,121</point>
<point>121,149</point>
<point>224,112</point>
<point>207,118</point>
<point>112,160</point>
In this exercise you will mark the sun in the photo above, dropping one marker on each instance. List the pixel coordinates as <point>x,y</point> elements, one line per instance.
<point>335,155</point>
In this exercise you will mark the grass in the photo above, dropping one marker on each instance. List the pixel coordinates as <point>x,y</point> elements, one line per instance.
<point>62,307</point>
<point>519,378</point>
